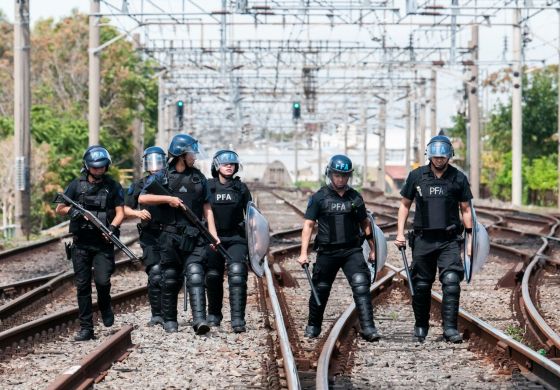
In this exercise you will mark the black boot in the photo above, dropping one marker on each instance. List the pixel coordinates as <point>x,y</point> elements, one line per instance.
<point>84,334</point>
<point>362,297</point>
<point>154,295</point>
<point>171,326</point>
<point>450,306</point>
<point>316,312</point>
<point>215,293</point>
<point>312,332</point>
<point>420,333</point>
<point>421,303</point>
<point>170,286</point>
<point>197,295</point>
<point>237,278</point>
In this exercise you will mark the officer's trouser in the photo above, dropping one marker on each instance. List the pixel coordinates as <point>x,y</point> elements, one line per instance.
<point>149,241</point>
<point>355,269</point>
<point>236,246</point>
<point>432,252</point>
<point>102,259</point>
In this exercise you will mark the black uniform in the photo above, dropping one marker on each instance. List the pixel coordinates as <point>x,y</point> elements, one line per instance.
<point>338,243</point>
<point>183,249</point>
<point>435,241</point>
<point>228,201</point>
<point>90,248</point>
<point>150,232</point>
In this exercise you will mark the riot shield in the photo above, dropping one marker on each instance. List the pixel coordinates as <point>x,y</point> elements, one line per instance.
<point>480,248</point>
<point>258,237</point>
<point>380,249</point>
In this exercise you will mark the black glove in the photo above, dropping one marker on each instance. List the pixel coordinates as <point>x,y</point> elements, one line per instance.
<point>115,230</point>
<point>74,213</point>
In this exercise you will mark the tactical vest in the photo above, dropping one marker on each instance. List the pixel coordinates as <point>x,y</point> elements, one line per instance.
<point>157,217</point>
<point>338,221</point>
<point>227,206</point>
<point>437,207</point>
<point>93,197</point>
<point>188,187</point>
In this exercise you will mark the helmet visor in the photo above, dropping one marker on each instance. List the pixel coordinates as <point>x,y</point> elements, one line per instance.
<point>154,162</point>
<point>227,158</point>
<point>438,149</point>
<point>97,158</point>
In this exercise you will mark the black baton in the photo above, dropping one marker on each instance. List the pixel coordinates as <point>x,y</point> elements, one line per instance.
<point>406,270</point>
<point>313,291</point>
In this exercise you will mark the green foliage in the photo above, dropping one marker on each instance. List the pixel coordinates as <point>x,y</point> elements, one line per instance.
<point>515,332</point>
<point>59,80</point>
<point>539,136</point>
<point>459,131</point>
<point>6,127</point>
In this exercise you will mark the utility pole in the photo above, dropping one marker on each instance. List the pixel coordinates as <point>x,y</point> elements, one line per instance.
<point>161,110</point>
<point>474,117</point>
<point>422,122</point>
<point>138,128</point>
<point>22,134</point>
<point>408,116</point>
<point>382,129</point>
<point>94,73</point>
<point>558,112</point>
<point>296,152</point>
<point>516,113</point>
<point>320,154</point>
<point>365,150</point>
<point>433,103</point>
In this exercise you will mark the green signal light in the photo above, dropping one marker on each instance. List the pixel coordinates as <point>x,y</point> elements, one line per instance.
<point>296,105</point>
<point>180,103</point>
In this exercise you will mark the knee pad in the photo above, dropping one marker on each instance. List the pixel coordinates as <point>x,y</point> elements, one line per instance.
<point>451,282</point>
<point>360,284</point>
<point>237,273</point>
<point>213,276</point>
<point>195,275</point>
<point>422,286</point>
<point>154,276</point>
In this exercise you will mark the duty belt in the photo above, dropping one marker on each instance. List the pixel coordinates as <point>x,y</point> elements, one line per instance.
<point>165,228</point>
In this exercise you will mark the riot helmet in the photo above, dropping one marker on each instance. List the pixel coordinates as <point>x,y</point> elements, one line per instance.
<point>182,144</point>
<point>439,146</point>
<point>96,156</point>
<point>222,157</point>
<point>153,159</point>
<point>340,164</point>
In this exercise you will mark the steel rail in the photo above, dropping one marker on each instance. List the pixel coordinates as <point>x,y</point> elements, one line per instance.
<point>83,375</point>
<point>33,245</point>
<point>290,368</point>
<point>9,309</point>
<point>341,326</point>
<point>12,339</point>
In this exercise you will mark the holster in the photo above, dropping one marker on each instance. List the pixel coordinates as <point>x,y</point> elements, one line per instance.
<point>68,250</point>
<point>189,238</point>
<point>411,237</point>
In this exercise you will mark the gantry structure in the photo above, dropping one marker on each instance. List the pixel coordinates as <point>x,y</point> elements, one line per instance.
<point>238,66</point>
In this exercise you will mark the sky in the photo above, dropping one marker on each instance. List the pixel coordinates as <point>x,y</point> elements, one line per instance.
<point>544,32</point>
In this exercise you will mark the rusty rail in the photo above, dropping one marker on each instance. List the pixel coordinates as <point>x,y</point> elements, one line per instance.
<point>13,339</point>
<point>83,375</point>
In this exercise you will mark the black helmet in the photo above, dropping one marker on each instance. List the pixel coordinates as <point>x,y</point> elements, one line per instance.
<point>96,156</point>
<point>182,144</point>
<point>439,146</point>
<point>339,163</point>
<point>153,159</point>
<point>224,157</point>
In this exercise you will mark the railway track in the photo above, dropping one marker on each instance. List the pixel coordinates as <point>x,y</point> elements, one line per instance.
<point>340,359</point>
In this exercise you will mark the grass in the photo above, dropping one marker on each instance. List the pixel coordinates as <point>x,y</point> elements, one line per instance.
<point>515,332</point>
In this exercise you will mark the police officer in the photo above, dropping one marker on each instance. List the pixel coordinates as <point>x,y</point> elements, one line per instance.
<point>154,162</point>
<point>439,190</point>
<point>340,212</point>
<point>229,197</point>
<point>104,197</point>
<point>183,250</point>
